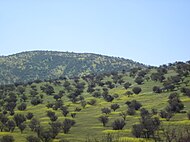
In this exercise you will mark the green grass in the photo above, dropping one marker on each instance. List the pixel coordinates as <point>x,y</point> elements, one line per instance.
<point>87,124</point>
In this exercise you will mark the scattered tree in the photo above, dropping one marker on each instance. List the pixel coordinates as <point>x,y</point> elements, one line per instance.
<point>118,124</point>
<point>137,90</point>
<point>104,120</point>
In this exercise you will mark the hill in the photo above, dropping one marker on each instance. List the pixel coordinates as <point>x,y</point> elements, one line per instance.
<point>29,66</point>
<point>144,105</point>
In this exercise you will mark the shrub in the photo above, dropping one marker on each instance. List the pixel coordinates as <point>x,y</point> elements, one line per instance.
<point>73,114</point>
<point>127,85</point>
<point>175,104</point>
<point>106,110</point>
<point>131,111</point>
<point>104,120</point>
<point>10,125</point>
<point>139,80</point>
<point>134,104</point>
<point>114,106</point>
<point>188,115</point>
<point>129,93</point>
<point>83,104</point>
<point>123,114</point>
<point>67,124</point>
<point>92,102</point>
<point>137,130</point>
<point>64,110</point>
<point>118,124</point>
<point>7,138</point>
<point>166,114</point>
<point>96,94</point>
<point>137,90</point>
<point>29,115</point>
<point>22,106</point>
<point>32,139</point>
<point>156,89</point>
<point>19,119</point>
<point>21,126</point>
<point>108,98</point>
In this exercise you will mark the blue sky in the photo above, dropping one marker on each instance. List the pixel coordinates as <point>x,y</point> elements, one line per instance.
<point>153,32</point>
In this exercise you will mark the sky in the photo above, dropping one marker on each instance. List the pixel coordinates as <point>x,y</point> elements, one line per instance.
<point>152,32</point>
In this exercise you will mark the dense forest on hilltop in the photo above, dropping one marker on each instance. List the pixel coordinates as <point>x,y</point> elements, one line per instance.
<point>30,66</point>
<point>142,105</point>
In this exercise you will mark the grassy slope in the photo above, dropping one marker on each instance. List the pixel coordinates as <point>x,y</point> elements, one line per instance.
<point>87,124</point>
<point>33,65</point>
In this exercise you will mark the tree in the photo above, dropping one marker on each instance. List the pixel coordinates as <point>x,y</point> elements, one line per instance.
<point>137,90</point>
<point>67,124</point>
<point>32,139</point>
<point>96,94</point>
<point>19,119</point>
<point>29,115</point>
<point>21,126</point>
<point>131,111</point>
<point>10,125</point>
<point>123,114</point>
<point>185,91</point>
<point>139,80</point>
<point>64,110</point>
<point>24,97</point>
<point>10,106</point>
<point>114,106</point>
<point>73,114</point>
<point>106,110</point>
<point>21,89</point>
<point>34,125</point>
<point>46,136</point>
<point>92,102</point>
<point>52,115</point>
<point>108,98</point>
<point>83,103</point>
<point>55,128</point>
<point>147,127</point>
<point>22,106</point>
<point>175,104</point>
<point>36,101</point>
<point>3,121</point>
<point>127,85</point>
<point>118,124</point>
<point>157,77</point>
<point>137,130</point>
<point>7,138</point>
<point>156,89</point>
<point>33,93</point>
<point>104,120</point>
<point>56,97</point>
<point>168,86</point>
<point>134,104</point>
<point>48,89</point>
<point>188,115</point>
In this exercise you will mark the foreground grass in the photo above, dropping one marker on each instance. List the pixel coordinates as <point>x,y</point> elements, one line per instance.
<point>87,125</point>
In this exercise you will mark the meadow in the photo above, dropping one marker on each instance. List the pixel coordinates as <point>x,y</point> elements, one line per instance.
<point>87,126</point>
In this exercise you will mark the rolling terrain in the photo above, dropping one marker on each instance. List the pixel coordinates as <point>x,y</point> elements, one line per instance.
<point>40,65</point>
<point>150,104</point>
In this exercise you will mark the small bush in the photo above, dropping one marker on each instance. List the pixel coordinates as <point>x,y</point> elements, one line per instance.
<point>106,110</point>
<point>114,106</point>
<point>104,120</point>
<point>7,138</point>
<point>137,90</point>
<point>118,124</point>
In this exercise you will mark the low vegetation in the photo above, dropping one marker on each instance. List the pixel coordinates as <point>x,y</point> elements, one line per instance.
<point>144,104</point>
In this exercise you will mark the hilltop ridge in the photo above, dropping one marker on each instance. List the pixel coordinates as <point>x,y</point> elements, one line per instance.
<point>33,65</point>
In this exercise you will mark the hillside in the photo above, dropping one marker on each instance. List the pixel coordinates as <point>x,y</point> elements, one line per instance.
<point>144,105</point>
<point>29,66</point>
